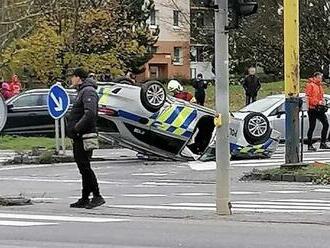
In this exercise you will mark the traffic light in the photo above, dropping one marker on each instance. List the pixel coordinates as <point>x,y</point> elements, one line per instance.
<point>245,7</point>
<point>240,7</point>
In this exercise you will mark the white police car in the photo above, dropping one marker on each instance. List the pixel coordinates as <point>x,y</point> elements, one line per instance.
<point>145,119</point>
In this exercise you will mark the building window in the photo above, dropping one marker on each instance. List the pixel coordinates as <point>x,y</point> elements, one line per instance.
<point>153,49</point>
<point>178,58</point>
<point>193,73</point>
<point>197,54</point>
<point>176,14</point>
<point>153,17</point>
<point>200,20</point>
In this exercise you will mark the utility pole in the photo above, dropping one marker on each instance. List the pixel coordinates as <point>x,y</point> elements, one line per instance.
<point>291,71</point>
<point>222,107</point>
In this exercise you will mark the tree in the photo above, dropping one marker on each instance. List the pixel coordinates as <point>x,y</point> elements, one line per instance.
<point>99,35</point>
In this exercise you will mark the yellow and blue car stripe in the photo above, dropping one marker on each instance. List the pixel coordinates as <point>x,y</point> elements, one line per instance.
<point>178,120</point>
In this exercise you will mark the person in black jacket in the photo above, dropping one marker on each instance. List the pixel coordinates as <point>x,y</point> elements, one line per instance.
<point>200,86</point>
<point>82,120</point>
<point>251,86</point>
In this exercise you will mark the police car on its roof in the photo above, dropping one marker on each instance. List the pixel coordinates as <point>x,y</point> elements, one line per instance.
<point>145,119</point>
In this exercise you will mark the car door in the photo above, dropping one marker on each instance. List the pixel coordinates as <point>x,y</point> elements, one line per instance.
<point>28,114</point>
<point>278,119</point>
<point>173,127</point>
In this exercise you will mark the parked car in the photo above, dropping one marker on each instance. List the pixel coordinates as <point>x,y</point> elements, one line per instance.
<point>145,119</point>
<point>28,113</point>
<point>273,107</point>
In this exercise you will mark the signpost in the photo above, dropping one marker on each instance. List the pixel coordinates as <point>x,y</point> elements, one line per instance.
<point>3,113</point>
<point>58,102</point>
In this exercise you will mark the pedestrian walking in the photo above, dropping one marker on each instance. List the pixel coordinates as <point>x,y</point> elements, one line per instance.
<point>316,110</point>
<point>82,123</point>
<point>200,86</point>
<point>251,86</point>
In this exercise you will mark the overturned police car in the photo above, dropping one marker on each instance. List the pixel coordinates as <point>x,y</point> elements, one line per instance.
<point>145,119</point>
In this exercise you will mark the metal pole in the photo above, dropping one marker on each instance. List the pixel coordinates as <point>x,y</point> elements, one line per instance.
<point>302,136</point>
<point>222,107</point>
<point>57,136</point>
<point>63,135</point>
<point>291,71</point>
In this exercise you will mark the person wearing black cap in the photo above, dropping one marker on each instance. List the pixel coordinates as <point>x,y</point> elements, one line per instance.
<point>200,86</point>
<point>81,121</point>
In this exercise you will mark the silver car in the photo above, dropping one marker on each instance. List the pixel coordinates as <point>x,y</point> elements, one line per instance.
<point>274,108</point>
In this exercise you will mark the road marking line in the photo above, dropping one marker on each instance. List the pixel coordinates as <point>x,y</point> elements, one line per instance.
<point>195,194</point>
<point>321,190</point>
<point>283,203</point>
<point>256,210</point>
<point>302,200</point>
<point>36,179</point>
<point>238,209</point>
<point>77,197</point>
<point>144,195</point>
<point>257,205</point>
<point>285,192</point>
<point>60,218</point>
<point>150,174</point>
<point>244,193</point>
<point>24,223</point>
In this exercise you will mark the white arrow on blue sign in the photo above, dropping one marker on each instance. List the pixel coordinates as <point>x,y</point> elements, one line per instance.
<point>58,101</point>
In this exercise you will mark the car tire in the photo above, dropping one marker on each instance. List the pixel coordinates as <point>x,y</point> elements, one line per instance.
<point>257,129</point>
<point>153,96</point>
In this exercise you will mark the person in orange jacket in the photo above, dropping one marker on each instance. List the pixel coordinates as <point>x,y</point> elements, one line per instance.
<point>316,110</point>
<point>15,85</point>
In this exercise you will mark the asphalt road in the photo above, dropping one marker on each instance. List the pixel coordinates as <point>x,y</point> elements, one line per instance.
<point>161,204</point>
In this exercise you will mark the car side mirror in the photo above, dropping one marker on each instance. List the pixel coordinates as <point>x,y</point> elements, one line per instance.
<point>279,114</point>
<point>10,107</point>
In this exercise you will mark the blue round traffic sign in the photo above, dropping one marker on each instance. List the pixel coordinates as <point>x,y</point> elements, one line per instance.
<point>58,101</point>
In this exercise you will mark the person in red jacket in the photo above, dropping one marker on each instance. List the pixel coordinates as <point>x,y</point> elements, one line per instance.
<point>176,88</point>
<point>316,109</point>
<point>15,85</point>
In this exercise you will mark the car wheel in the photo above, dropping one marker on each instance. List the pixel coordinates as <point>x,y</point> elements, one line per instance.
<point>256,128</point>
<point>153,95</point>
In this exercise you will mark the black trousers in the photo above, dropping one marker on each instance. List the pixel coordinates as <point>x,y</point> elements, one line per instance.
<point>250,99</point>
<point>82,158</point>
<point>200,98</point>
<point>314,115</point>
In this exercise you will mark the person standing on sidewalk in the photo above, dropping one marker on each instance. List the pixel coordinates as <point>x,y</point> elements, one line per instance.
<point>82,120</point>
<point>200,86</point>
<point>316,110</point>
<point>251,86</point>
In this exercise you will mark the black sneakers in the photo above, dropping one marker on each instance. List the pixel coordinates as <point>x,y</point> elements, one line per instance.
<point>311,148</point>
<point>324,146</point>
<point>81,203</point>
<point>95,202</point>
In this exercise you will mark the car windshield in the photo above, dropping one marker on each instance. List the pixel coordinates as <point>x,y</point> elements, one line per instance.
<point>261,105</point>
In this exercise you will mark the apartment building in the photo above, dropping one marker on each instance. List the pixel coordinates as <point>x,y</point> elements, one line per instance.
<point>172,51</point>
<point>202,37</point>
